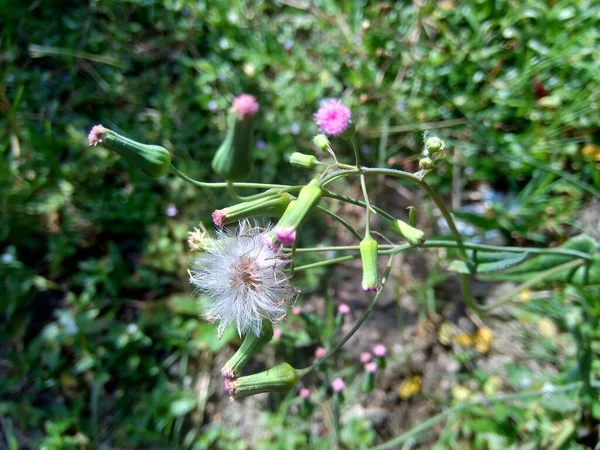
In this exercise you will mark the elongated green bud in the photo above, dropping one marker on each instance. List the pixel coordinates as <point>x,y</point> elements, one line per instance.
<point>272,206</point>
<point>280,378</point>
<point>301,160</point>
<point>154,160</point>
<point>368,255</point>
<point>233,160</point>
<point>308,197</point>
<point>251,345</point>
<point>413,235</point>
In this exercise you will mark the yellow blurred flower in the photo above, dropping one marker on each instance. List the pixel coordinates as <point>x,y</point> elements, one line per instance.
<point>547,327</point>
<point>464,340</point>
<point>445,333</point>
<point>591,151</point>
<point>409,387</point>
<point>525,295</point>
<point>461,393</point>
<point>483,340</point>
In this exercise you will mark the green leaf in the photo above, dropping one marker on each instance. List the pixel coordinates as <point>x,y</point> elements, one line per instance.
<point>560,403</point>
<point>182,406</point>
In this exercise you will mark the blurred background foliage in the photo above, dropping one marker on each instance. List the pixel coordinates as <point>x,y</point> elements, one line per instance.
<point>100,341</point>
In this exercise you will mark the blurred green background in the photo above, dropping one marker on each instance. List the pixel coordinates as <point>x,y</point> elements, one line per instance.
<point>101,345</point>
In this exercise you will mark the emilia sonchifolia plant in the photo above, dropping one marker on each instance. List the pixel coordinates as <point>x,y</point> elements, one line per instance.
<point>247,271</point>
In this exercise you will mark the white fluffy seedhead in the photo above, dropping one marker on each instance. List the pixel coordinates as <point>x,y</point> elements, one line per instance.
<point>243,279</point>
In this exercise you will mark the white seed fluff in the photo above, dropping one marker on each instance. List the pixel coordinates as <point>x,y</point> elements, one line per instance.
<point>243,280</point>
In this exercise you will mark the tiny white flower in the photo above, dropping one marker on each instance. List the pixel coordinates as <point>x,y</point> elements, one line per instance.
<point>243,279</point>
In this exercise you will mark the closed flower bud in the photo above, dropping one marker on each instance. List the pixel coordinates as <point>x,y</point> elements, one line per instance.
<point>154,160</point>
<point>271,206</point>
<point>321,142</point>
<point>433,145</point>
<point>413,235</point>
<point>251,345</point>
<point>368,255</point>
<point>426,163</point>
<point>233,160</point>
<point>280,378</point>
<point>301,160</point>
<point>308,197</point>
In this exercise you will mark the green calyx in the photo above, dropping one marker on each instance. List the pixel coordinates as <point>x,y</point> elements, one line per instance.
<point>272,206</point>
<point>413,236</point>
<point>280,378</point>
<point>233,160</point>
<point>368,256</point>
<point>251,345</point>
<point>154,160</point>
<point>308,197</point>
<point>305,161</point>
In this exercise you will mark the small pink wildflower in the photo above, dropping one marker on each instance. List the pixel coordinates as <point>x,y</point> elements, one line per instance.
<point>371,367</point>
<point>296,310</point>
<point>333,117</point>
<point>277,334</point>
<point>304,393</point>
<point>287,236</point>
<point>245,106</point>
<point>95,136</point>
<point>380,350</point>
<point>365,357</point>
<point>338,385</point>
<point>344,309</point>
<point>320,352</point>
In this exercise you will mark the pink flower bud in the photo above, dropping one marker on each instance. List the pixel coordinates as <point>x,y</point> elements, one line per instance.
<point>95,135</point>
<point>296,310</point>
<point>320,352</point>
<point>371,367</point>
<point>304,393</point>
<point>287,236</point>
<point>365,357</point>
<point>245,106</point>
<point>338,385</point>
<point>379,350</point>
<point>344,309</point>
<point>218,217</point>
<point>277,333</point>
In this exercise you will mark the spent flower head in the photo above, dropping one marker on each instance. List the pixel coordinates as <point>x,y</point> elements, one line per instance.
<point>333,117</point>
<point>243,279</point>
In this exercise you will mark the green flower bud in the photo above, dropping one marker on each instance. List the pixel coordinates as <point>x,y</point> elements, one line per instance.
<point>321,142</point>
<point>251,345</point>
<point>272,206</point>
<point>233,160</point>
<point>308,197</point>
<point>426,163</point>
<point>301,160</point>
<point>368,255</point>
<point>413,235</point>
<point>154,160</point>
<point>433,145</point>
<point>280,378</point>
<point>412,216</point>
